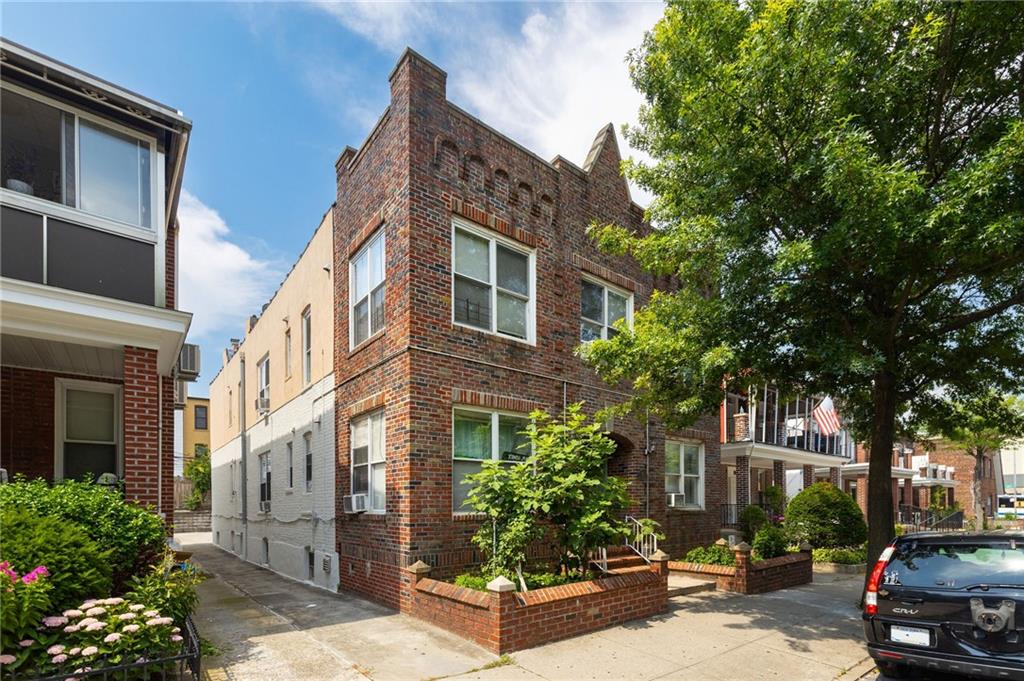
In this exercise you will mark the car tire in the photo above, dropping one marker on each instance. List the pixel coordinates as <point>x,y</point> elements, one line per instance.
<point>894,670</point>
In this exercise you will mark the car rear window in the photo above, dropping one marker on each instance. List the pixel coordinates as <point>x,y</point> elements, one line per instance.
<point>955,566</point>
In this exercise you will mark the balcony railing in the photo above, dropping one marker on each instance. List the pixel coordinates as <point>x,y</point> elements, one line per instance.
<point>766,417</point>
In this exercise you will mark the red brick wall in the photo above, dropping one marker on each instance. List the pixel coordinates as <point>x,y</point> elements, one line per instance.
<point>141,425</point>
<point>509,621</point>
<point>170,266</point>
<point>948,454</point>
<point>757,577</point>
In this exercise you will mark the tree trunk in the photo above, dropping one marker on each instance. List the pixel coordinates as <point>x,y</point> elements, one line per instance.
<point>880,515</point>
<point>979,470</point>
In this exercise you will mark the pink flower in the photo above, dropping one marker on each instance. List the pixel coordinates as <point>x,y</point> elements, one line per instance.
<point>131,628</point>
<point>87,621</point>
<point>125,616</point>
<point>7,659</point>
<point>91,612</point>
<point>55,649</point>
<point>51,622</point>
<point>112,638</point>
<point>113,601</point>
<point>176,630</point>
<point>59,659</point>
<point>88,604</point>
<point>177,639</point>
<point>90,650</point>
<point>27,643</point>
<point>73,613</point>
<point>159,621</point>
<point>151,613</point>
<point>74,651</point>
<point>135,607</point>
<point>96,626</point>
<point>40,571</point>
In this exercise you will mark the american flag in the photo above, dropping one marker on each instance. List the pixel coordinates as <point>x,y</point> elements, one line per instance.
<point>827,418</point>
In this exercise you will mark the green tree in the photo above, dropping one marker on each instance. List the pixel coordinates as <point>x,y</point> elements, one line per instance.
<point>839,190</point>
<point>198,470</point>
<point>979,426</point>
<point>563,487</point>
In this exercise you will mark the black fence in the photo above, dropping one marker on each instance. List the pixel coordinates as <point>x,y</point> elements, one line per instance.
<point>185,666</point>
<point>917,519</point>
<point>731,513</point>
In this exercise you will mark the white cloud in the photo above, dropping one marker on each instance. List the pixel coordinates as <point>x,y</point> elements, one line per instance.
<point>550,82</point>
<point>220,282</point>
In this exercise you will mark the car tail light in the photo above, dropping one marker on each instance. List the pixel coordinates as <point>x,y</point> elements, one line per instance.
<point>871,593</point>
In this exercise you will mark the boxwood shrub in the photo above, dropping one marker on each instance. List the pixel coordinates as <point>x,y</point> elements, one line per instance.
<point>825,517</point>
<point>712,555</point>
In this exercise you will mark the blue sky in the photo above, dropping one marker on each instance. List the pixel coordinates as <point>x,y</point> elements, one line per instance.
<point>276,90</point>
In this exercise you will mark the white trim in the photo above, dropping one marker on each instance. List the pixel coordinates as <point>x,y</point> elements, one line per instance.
<point>306,332</point>
<point>39,206</point>
<point>60,388</point>
<point>494,415</point>
<point>531,297</point>
<point>352,302</point>
<point>730,450</point>
<point>701,475</point>
<point>368,418</point>
<point>618,290</point>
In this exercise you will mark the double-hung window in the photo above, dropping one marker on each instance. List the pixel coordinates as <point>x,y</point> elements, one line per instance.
<point>307,344</point>
<point>479,436</point>
<point>287,353</point>
<point>201,414</point>
<point>77,160</point>
<point>366,290</point>
<point>263,383</point>
<point>368,462</point>
<point>265,481</point>
<point>307,443</point>
<point>89,430</point>
<point>493,287</point>
<point>684,472</point>
<point>289,451</point>
<point>600,307</point>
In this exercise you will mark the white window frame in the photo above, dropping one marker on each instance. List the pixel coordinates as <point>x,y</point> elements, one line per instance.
<point>307,444</point>
<point>352,302</point>
<point>61,386</point>
<point>628,295</point>
<point>263,378</point>
<point>289,449</point>
<point>74,213</point>
<point>495,417</point>
<point>265,469</point>
<point>701,474</point>
<point>307,345</point>
<point>231,472</point>
<point>494,239</point>
<point>287,353</point>
<point>369,459</point>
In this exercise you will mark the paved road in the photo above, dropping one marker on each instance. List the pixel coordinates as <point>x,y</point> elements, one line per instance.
<point>269,627</point>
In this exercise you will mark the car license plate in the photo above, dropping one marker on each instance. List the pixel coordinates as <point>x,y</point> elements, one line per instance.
<point>910,635</point>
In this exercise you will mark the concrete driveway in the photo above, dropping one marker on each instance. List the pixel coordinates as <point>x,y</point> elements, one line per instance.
<point>269,627</point>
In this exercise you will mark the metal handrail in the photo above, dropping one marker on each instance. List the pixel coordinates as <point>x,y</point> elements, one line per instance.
<point>642,542</point>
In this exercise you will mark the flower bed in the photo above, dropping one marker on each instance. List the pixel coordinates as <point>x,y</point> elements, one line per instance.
<point>502,620</point>
<point>753,577</point>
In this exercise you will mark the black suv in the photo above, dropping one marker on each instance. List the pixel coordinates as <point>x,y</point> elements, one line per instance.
<point>949,602</point>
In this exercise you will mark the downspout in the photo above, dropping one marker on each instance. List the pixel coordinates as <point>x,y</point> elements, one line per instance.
<point>160,446</point>
<point>647,463</point>
<point>244,444</point>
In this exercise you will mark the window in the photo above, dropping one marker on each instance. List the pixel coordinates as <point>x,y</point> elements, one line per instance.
<point>310,563</point>
<point>600,307</point>
<point>307,443</point>
<point>291,466</point>
<point>368,461</point>
<point>263,383</point>
<point>231,407</point>
<point>307,344</point>
<point>75,160</point>
<point>265,481</point>
<point>266,551</point>
<point>483,436</point>
<point>201,414</point>
<point>493,284</point>
<point>287,353</point>
<point>366,290</point>
<point>89,430</point>
<point>231,472</point>
<point>684,466</point>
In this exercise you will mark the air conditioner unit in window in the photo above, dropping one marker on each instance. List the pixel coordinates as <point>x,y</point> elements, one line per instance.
<point>326,564</point>
<point>265,506</point>
<point>188,362</point>
<point>675,500</point>
<point>354,503</point>
<point>263,405</point>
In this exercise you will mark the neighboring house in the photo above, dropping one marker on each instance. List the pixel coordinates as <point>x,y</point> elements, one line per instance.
<point>904,492</point>
<point>272,428</point>
<point>941,464</point>
<point>90,175</point>
<point>1011,459</point>
<point>195,426</point>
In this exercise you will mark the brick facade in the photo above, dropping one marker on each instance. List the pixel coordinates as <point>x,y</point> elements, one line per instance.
<point>426,163</point>
<point>754,577</point>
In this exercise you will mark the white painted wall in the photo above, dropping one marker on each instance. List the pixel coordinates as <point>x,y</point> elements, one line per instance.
<point>297,519</point>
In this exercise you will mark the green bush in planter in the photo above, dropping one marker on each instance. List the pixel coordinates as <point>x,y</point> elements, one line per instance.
<point>78,567</point>
<point>134,536</point>
<point>770,542</point>
<point>167,588</point>
<point>752,519</point>
<point>825,517</point>
<point>712,555</point>
<point>851,555</point>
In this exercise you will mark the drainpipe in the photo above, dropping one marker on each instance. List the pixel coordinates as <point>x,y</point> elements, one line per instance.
<point>647,463</point>
<point>160,445</point>
<point>244,443</point>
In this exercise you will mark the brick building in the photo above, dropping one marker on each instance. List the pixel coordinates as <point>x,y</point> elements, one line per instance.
<point>91,175</point>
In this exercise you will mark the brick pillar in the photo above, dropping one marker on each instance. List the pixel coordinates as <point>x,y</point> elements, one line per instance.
<point>834,476</point>
<point>167,451</point>
<point>740,426</point>
<point>742,552</point>
<point>502,607</point>
<point>908,492</point>
<point>862,494</point>
<point>808,476</point>
<point>779,474</point>
<point>742,480</point>
<point>141,426</point>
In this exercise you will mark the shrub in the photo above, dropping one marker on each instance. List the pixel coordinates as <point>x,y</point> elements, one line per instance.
<point>770,542</point>
<point>134,536</point>
<point>752,519</point>
<point>716,554</point>
<point>825,517</point>
<point>77,565</point>
<point>534,580</point>
<point>775,500</point>
<point>23,602</point>
<point>852,555</point>
<point>168,588</point>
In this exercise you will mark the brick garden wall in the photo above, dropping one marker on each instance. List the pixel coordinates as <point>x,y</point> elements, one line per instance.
<point>749,577</point>
<point>507,621</point>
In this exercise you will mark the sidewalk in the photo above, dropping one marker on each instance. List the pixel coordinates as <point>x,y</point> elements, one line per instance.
<point>269,627</point>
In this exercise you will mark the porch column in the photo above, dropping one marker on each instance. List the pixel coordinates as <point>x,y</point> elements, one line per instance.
<point>862,494</point>
<point>908,492</point>
<point>742,480</point>
<point>141,425</point>
<point>779,474</point>
<point>808,476</point>
<point>834,476</point>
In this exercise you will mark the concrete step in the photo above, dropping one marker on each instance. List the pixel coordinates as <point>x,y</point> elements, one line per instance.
<point>681,585</point>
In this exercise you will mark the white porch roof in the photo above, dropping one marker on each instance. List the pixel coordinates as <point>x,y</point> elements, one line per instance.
<point>762,455</point>
<point>855,469</point>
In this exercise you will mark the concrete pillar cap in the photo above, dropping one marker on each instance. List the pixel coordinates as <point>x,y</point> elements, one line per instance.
<point>806,547</point>
<point>659,556</point>
<point>500,584</point>
<point>742,547</point>
<point>722,542</point>
<point>419,568</point>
